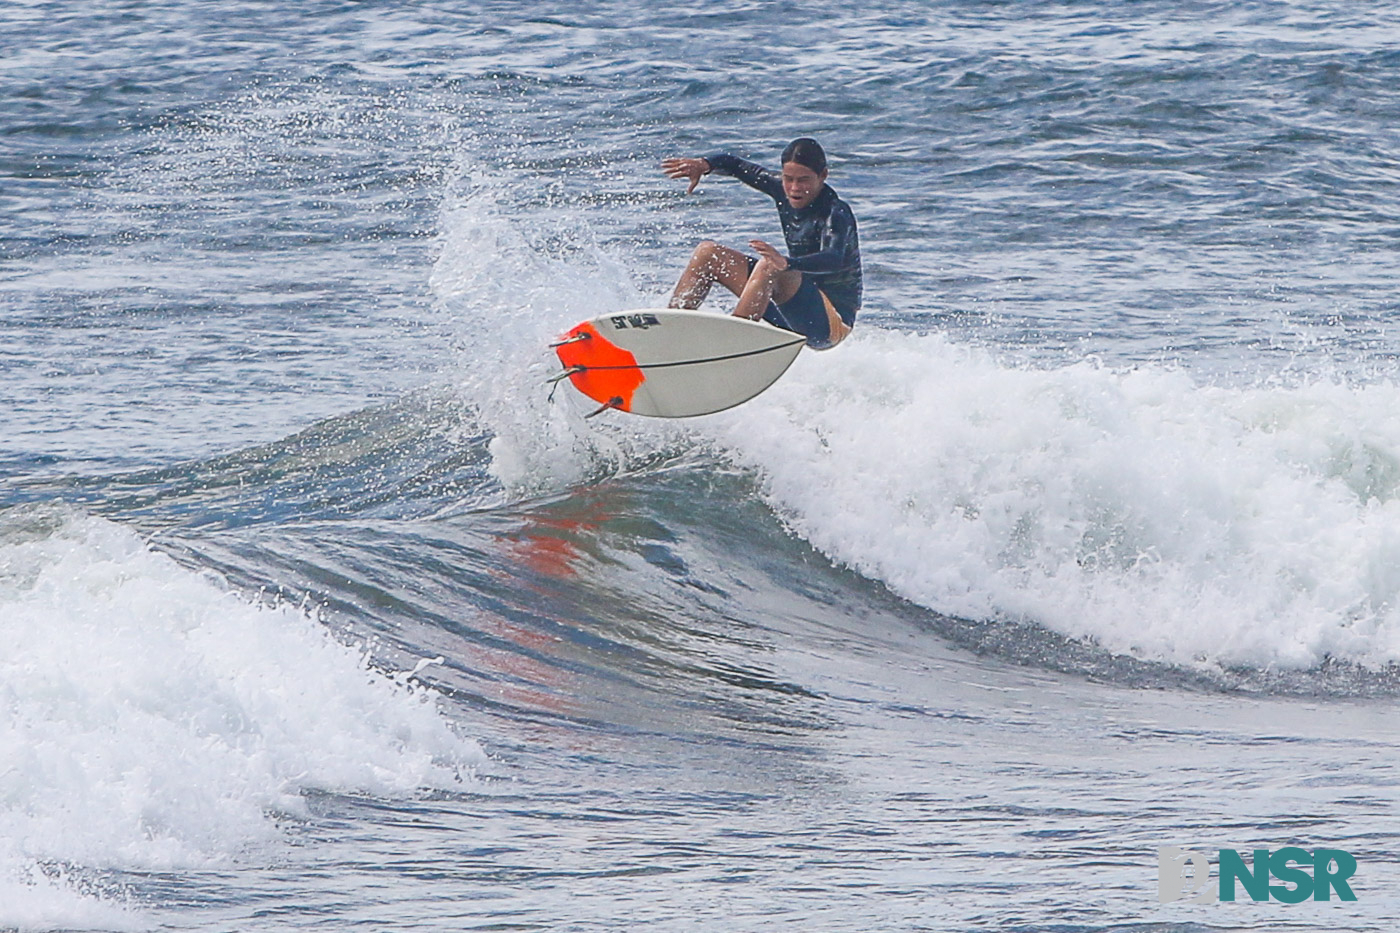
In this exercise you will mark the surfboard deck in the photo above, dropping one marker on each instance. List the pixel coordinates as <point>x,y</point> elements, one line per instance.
<point>669,363</point>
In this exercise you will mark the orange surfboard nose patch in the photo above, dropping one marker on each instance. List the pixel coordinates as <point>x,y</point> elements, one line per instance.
<point>607,373</point>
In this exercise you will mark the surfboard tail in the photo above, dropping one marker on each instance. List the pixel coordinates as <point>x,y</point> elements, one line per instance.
<point>598,368</point>
<point>671,363</point>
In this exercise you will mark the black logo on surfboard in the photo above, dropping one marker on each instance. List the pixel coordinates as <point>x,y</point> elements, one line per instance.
<point>639,321</point>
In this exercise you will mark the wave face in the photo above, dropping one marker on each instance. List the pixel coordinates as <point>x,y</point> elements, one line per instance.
<point>320,610</point>
<point>1147,509</point>
<point>156,717</point>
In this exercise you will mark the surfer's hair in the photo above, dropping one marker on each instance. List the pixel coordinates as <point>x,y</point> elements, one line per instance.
<point>806,151</point>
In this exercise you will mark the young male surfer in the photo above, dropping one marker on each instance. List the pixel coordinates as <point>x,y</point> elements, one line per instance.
<point>815,290</point>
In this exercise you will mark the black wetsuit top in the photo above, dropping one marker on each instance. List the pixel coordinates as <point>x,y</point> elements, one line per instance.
<point>821,237</point>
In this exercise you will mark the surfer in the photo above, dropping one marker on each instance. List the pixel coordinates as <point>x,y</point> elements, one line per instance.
<point>814,290</point>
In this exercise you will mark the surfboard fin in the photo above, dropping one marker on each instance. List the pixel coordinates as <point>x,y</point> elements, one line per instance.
<point>553,381</point>
<point>614,402</point>
<point>561,376</point>
<point>581,335</point>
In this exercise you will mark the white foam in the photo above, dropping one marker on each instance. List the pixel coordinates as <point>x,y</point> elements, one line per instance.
<point>155,719</point>
<point>1137,508</point>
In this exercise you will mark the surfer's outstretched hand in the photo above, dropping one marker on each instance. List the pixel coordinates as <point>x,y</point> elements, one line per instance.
<point>694,169</point>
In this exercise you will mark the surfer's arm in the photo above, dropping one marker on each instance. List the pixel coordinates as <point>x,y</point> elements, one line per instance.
<point>750,173</point>
<point>828,260</point>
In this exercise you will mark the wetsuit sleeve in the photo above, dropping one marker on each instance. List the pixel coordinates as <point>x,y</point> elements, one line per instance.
<point>835,245</point>
<point>750,173</point>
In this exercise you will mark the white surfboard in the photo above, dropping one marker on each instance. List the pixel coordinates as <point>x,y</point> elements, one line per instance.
<point>674,364</point>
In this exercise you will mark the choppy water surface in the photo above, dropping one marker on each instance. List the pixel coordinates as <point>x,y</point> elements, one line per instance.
<point>320,613</point>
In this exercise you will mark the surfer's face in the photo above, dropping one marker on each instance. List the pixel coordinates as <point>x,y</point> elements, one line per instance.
<point>801,184</point>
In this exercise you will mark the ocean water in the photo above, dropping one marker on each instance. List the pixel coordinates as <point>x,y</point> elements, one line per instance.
<point>319,612</point>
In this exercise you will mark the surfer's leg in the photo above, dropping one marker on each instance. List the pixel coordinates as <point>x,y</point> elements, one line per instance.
<point>709,264</point>
<point>766,284</point>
